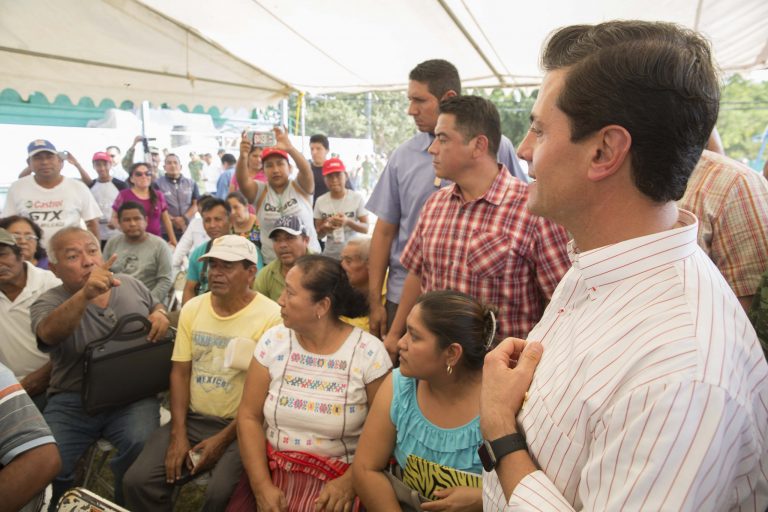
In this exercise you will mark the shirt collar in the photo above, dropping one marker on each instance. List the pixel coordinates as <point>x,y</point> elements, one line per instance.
<point>425,140</point>
<point>498,189</point>
<point>612,263</point>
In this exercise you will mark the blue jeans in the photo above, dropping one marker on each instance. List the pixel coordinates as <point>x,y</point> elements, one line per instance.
<point>126,428</point>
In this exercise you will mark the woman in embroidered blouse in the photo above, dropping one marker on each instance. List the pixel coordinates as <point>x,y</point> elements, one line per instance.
<point>307,393</point>
<point>427,411</point>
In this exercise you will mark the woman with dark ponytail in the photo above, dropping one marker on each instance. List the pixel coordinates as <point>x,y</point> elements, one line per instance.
<point>307,395</point>
<point>427,412</point>
<point>140,190</point>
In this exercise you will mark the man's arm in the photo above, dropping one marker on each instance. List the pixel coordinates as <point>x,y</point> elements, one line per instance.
<point>305,179</point>
<point>83,173</point>
<point>93,227</point>
<point>411,292</point>
<point>60,323</point>
<point>189,291</point>
<point>29,458</point>
<point>192,210</point>
<point>248,187</point>
<point>164,273</point>
<point>127,160</point>
<point>384,234</point>
<point>27,475</point>
<point>37,381</point>
<point>178,445</point>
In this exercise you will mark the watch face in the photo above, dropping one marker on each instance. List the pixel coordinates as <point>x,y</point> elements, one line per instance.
<point>486,456</point>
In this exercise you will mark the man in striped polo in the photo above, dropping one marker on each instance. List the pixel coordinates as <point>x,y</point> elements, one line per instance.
<point>643,387</point>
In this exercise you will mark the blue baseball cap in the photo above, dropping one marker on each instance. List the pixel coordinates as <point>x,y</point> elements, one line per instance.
<point>40,145</point>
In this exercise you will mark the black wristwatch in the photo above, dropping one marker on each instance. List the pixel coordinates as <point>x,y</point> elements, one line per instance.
<point>491,452</point>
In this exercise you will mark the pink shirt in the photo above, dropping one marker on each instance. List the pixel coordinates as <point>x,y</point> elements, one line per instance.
<point>153,214</point>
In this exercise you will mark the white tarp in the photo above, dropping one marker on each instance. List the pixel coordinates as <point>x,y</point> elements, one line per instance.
<point>121,50</point>
<point>250,52</point>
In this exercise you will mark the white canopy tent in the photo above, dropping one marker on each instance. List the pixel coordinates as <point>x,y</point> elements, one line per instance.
<point>251,52</point>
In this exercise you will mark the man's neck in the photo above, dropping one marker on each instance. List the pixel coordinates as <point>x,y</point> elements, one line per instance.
<point>228,305</point>
<point>13,289</point>
<point>339,195</point>
<point>49,183</point>
<point>105,179</point>
<point>474,182</point>
<point>136,239</point>
<point>626,220</point>
<point>285,268</point>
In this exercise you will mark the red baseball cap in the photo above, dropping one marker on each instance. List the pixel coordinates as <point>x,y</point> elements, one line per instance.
<point>333,165</point>
<point>101,155</point>
<point>268,152</point>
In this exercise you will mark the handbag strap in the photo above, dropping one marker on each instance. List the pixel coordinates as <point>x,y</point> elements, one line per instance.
<point>119,331</point>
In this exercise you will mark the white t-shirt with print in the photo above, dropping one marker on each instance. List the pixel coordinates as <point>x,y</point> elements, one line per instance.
<point>318,403</point>
<point>67,204</point>
<point>352,205</point>
<point>105,195</point>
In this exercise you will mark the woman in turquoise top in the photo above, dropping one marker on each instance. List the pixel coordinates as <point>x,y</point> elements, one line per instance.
<point>426,413</point>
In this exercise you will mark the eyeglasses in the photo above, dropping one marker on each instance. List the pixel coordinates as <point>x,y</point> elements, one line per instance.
<point>139,174</point>
<point>27,238</point>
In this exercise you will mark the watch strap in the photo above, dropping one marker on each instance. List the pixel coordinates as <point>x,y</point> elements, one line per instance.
<point>491,452</point>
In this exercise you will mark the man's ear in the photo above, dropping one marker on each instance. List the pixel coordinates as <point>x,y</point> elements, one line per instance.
<point>448,94</point>
<point>480,145</point>
<point>611,150</point>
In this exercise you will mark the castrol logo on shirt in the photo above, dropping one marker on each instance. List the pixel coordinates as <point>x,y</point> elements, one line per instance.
<point>46,212</point>
<point>47,205</point>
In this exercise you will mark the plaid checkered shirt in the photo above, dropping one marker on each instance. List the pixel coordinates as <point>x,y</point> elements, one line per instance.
<point>491,248</point>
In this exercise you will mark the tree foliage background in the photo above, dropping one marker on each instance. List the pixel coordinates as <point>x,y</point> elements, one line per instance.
<point>743,116</point>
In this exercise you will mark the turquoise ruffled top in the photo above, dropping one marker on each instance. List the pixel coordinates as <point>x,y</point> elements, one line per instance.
<point>452,447</point>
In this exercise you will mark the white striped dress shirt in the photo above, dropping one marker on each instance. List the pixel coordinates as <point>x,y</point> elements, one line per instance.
<point>652,391</point>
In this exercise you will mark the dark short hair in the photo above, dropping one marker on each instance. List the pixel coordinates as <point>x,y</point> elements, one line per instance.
<point>5,222</point>
<point>212,202</point>
<point>475,116</point>
<point>131,205</point>
<point>174,155</point>
<point>228,158</point>
<point>238,196</point>
<point>439,75</point>
<point>324,277</point>
<point>319,138</point>
<point>455,317</point>
<point>655,79</point>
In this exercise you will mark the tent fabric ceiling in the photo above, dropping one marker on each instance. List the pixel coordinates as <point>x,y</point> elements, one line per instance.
<point>251,52</point>
<point>122,50</point>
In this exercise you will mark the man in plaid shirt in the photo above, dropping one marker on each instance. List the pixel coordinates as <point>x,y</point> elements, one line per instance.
<point>477,235</point>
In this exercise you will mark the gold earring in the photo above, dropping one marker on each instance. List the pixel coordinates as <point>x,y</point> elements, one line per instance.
<point>449,369</point>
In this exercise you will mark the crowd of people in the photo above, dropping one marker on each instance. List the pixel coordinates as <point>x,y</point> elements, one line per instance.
<point>585,340</point>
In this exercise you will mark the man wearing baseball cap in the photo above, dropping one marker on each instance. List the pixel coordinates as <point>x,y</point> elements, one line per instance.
<point>104,189</point>
<point>205,395</point>
<point>21,283</point>
<point>48,198</point>
<point>340,214</point>
<point>290,240</point>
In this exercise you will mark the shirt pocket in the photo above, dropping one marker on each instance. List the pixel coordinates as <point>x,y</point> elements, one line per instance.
<point>488,254</point>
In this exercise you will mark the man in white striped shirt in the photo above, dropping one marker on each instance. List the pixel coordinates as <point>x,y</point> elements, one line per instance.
<point>643,386</point>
